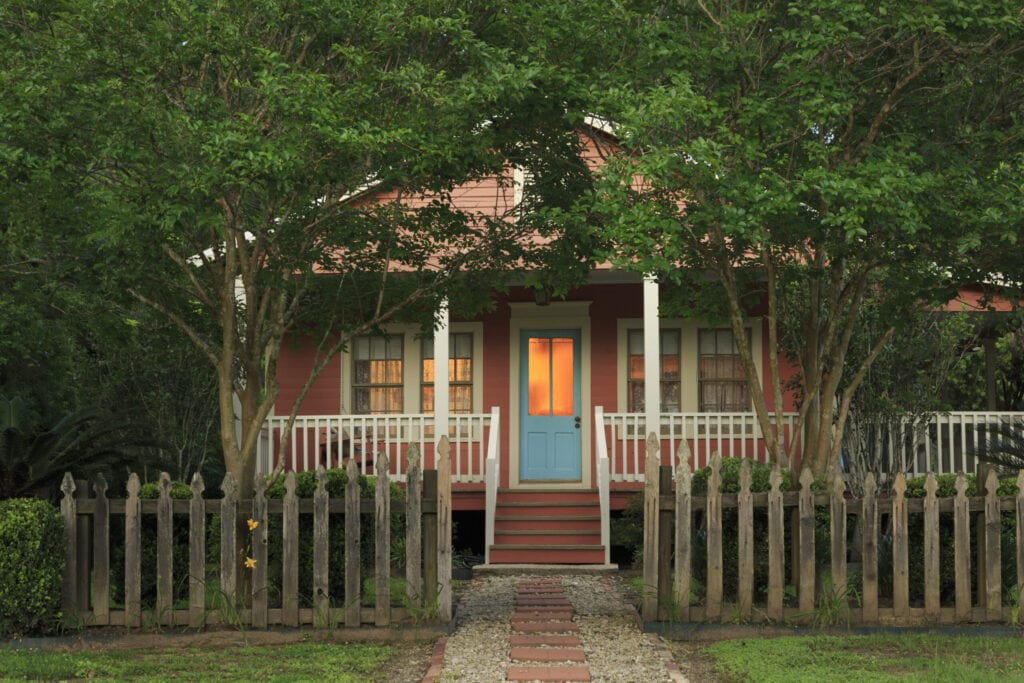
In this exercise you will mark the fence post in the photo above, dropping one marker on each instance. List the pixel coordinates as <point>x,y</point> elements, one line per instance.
<point>931,549</point>
<point>664,544</point>
<point>650,594</point>
<point>684,531</point>
<point>321,551</point>
<point>197,554</point>
<point>869,550</point>
<point>806,536</point>
<point>430,539</point>
<point>962,548</point>
<point>745,558</point>
<point>993,568</point>
<point>290,553</point>
<point>164,550</point>
<point>353,587</point>
<point>713,511</point>
<point>133,554</point>
<point>382,541</point>
<point>776,545</point>
<point>69,513</point>
<point>413,530</point>
<point>101,554</point>
<point>900,556</point>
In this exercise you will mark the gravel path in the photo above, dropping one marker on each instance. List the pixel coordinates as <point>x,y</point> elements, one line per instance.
<point>617,651</point>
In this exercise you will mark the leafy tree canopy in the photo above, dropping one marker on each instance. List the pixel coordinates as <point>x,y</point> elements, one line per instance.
<point>218,156</point>
<point>817,155</point>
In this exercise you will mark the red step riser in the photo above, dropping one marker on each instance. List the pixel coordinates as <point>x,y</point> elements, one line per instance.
<point>582,497</point>
<point>546,539</point>
<point>566,525</point>
<point>548,510</point>
<point>535,556</point>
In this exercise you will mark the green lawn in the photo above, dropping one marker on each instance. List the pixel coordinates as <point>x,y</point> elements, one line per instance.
<point>300,662</point>
<point>906,657</point>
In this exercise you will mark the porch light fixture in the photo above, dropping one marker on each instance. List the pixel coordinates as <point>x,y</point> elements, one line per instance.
<point>542,296</point>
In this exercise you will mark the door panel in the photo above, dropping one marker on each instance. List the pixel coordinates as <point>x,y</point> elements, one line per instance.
<point>550,405</point>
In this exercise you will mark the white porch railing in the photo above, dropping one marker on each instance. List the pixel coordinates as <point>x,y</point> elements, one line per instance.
<point>943,443</point>
<point>334,439</point>
<point>733,435</point>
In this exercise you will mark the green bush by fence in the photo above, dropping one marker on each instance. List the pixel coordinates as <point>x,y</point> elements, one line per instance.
<point>32,545</point>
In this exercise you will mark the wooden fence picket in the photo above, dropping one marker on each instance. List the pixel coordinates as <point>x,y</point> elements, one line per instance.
<point>258,550</point>
<point>228,543</point>
<point>931,549</point>
<point>713,599</point>
<point>69,513</point>
<point>962,549</point>
<point>101,554</point>
<point>806,541</point>
<point>353,589</point>
<point>900,555</point>
<point>684,532</point>
<point>993,601</point>
<point>133,554</point>
<point>413,529</point>
<point>197,554</point>
<point>290,554</point>
<point>869,551</point>
<point>1020,546</point>
<point>321,550</point>
<point>382,542</point>
<point>776,546</point>
<point>164,553</point>
<point>745,527</point>
<point>837,508</point>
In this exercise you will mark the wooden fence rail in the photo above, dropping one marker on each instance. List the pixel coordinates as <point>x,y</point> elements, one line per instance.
<point>218,594</point>
<point>827,587</point>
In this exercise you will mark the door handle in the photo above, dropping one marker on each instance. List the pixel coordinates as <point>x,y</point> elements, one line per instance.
<point>577,422</point>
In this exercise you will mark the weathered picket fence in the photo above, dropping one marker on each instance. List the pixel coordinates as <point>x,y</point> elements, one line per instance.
<point>87,589</point>
<point>819,592</point>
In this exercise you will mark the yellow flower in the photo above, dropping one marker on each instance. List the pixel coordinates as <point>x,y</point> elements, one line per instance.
<point>252,524</point>
<point>250,562</point>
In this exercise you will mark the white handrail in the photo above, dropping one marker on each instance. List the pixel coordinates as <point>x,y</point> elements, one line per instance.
<point>491,482</point>
<point>603,475</point>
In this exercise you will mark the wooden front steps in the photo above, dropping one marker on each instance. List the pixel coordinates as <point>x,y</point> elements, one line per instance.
<point>548,526</point>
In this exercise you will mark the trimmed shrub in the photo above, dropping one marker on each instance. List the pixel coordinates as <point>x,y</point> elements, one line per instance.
<point>32,545</point>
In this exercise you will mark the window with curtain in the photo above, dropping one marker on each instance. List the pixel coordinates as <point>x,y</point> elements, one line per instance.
<point>460,373</point>
<point>669,369</point>
<point>377,373</point>
<point>721,378</point>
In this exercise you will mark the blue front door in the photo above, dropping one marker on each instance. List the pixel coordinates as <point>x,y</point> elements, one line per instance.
<point>549,405</point>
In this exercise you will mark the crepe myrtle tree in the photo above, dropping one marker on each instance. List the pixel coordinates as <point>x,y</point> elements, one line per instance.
<point>810,157</point>
<point>231,156</point>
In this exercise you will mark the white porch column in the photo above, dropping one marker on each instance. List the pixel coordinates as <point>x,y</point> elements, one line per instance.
<point>652,356</point>
<point>441,327</point>
<point>652,456</point>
